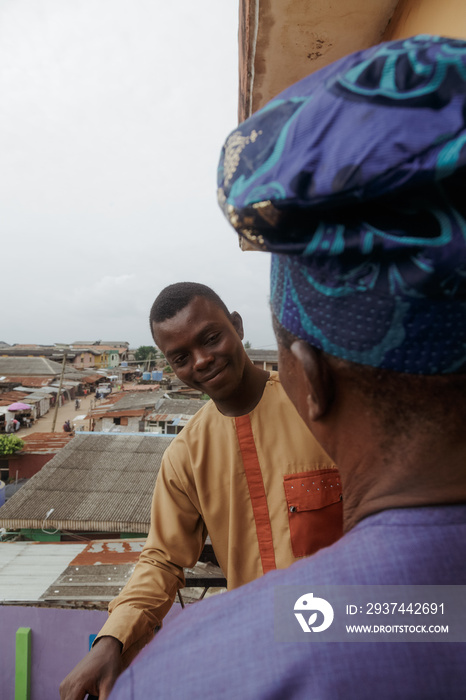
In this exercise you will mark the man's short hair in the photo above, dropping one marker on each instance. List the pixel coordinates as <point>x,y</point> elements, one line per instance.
<point>177,296</point>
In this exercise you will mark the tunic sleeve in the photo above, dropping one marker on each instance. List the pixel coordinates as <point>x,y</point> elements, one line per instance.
<point>175,541</point>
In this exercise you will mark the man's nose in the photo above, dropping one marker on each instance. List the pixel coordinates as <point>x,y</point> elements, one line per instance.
<point>202,358</point>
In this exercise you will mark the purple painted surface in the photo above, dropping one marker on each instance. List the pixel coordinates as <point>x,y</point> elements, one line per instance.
<point>60,638</point>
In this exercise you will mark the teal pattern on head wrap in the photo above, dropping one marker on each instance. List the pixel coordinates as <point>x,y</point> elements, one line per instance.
<point>355,181</point>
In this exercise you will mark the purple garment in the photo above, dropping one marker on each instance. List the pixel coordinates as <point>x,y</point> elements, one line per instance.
<point>362,208</point>
<point>225,648</point>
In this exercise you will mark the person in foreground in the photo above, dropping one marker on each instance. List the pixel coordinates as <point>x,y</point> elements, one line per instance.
<point>245,470</point>
<point>354,178</point>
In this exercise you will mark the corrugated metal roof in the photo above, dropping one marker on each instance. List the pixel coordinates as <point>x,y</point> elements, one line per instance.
<point>90,378</point>
<point>29,381</point>
<point>180,406</point>
<point>81,574</point>
<point>262,355</point>
<point>120,414</point>
<point>27,569</point>
<point>173,418</point>
<point>10,397</point>
<point>45,442</point>
<point>141,388</point>
<point>37,366</point>
<point>138,400</point>
<point>95,483</point>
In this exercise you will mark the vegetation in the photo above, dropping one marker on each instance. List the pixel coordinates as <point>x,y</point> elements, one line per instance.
<point>146,352</point>
<point>9,444</point>
<point>247,344</point>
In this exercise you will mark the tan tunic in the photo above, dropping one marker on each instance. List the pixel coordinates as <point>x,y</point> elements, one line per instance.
<point>226,477</point>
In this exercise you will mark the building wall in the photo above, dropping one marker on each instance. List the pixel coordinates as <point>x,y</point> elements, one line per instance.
<point>83,360</point>
<point>28,464</point>
<point>113,359</point>
<point>60,639</point>
<point>264,364</point>
<point>446,18</point>
<point>128,424</point>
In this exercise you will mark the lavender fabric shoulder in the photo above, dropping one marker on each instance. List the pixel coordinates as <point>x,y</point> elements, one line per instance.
<point>225,648</point>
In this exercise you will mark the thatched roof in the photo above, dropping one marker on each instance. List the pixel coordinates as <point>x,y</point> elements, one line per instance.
<point>97,483</point>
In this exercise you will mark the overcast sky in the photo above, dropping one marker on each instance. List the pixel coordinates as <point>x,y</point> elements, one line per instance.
<point>112,117</point>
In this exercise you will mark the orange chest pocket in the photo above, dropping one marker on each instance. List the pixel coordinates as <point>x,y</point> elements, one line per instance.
<point>315,510</point>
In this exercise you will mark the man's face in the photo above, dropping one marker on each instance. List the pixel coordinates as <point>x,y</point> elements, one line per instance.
<point>203,346</point>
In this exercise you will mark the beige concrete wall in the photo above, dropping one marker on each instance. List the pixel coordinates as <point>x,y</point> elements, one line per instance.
<point>443,17</point>
<point>281,41</point>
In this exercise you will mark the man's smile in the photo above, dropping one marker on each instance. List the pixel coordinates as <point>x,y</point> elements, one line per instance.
<point>213,375</point>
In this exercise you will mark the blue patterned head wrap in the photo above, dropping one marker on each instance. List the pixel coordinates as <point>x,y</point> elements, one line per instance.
<point>354,178</point>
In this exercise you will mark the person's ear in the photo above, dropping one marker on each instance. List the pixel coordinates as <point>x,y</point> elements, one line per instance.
<point>316,377</point>
<point>237,322</point>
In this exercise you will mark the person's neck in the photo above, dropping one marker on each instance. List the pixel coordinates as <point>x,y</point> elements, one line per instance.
<point>423,472</point>
<point>247,395</point>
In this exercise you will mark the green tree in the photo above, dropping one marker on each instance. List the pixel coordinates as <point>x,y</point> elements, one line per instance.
<point>247,344</point>
<point>144,352</point>
<point>9,444</point>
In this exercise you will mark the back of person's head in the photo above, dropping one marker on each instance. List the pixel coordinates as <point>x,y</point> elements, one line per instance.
<point>354,179</point>
<point>406,406</point>
<point>176,297</point>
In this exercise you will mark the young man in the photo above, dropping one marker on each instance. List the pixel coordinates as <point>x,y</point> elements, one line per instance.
<point>245,470</point>
<point>365,213</point>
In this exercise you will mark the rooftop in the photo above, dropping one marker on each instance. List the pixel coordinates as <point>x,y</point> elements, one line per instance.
<point>97,482</point>
<point>45,442</point>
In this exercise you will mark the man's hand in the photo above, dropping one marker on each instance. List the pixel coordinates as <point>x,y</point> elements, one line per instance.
<point>96,673</point>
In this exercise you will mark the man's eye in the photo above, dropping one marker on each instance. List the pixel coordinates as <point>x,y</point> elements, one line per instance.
<point>213,338</point>
<point>180,360</point>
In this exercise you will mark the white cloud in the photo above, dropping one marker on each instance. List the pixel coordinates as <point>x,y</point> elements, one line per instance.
<point>112,119</point>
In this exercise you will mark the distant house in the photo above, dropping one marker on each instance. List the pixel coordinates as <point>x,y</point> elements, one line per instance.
<point>85,358</point>
<point>103,355</point>
<point>265,359</point>
<point>105,343</point>
<point>98,484</point>
<point>51,352</point>
<point>40,372</point>
<point>123,413</point>
<point>178,389</point>
<point>171,415</point>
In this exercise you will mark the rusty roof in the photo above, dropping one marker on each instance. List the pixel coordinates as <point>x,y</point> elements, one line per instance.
<point>96,483</point>
<point>83,575</point>
<point>45,442</point>
<point>10,397</point>
<point>91,378</point>
<point>28,381</point>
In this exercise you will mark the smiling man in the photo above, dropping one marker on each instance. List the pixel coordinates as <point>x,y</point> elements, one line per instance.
<point>355,181</point>
<point>245,470</point>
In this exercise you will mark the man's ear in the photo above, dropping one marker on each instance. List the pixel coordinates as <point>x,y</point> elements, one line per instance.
<point>237,322</point>
<point>315,373</point>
